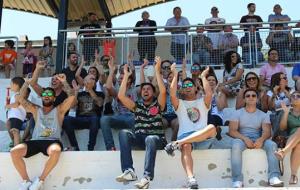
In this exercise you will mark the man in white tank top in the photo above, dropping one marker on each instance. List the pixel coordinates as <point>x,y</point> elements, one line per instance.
<point>46,135</point>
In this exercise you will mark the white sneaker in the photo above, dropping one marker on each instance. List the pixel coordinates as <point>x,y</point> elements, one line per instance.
<point>37,184</point>
<point>143,184</point>
<point>275,182</point>
<point>25,185</point>
<point>192,183</point>
<point>127,175</point>
<point>237,184</point>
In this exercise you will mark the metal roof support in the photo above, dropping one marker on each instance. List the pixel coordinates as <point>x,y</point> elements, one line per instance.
<point>105,9</point>
<point>61,36</point>
<point>1,8</point>
<point>53,6</point>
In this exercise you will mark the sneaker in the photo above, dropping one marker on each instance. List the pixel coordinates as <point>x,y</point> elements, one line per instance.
<point>127,175</point>
<point>37,184</point>
<point>170,148</point>
<point>237,184</point>
<point>25,185</point>
<point>143,184</point>
<point>275,182</point>
<point>192,183</point>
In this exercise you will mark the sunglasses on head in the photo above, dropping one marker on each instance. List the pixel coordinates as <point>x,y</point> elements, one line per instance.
<point>251,78</point>
<point>251,95</point>
<point>295,96</point>
<point>187,85</point>
<point>47,93</point>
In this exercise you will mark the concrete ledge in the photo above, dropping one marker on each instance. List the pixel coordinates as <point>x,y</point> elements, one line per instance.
<point>98,169</point>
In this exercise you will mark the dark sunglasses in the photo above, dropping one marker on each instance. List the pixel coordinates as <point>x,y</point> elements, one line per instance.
<point>296,96</point>
<point>166,68</point>
<point>251,95</point>
<point>251,78</point>
<point>47,93</point>
<point>105,60</point>
<point>283,78</point>
<point>195,68</point>
<point>188,85</point>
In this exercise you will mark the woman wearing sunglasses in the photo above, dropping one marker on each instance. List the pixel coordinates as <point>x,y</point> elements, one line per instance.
<point>280,92</point>
<point>252,81</point>
<point>233,74</point>
<point>290,122</point>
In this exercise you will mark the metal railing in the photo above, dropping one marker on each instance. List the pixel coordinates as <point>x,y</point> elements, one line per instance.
<point>251,46</point>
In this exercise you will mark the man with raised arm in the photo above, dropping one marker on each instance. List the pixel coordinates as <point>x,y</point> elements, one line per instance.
<point>148,130</point>
<point>46,137</point>
<point>192,113</point>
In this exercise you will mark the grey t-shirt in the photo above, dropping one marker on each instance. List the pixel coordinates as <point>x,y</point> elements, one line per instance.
<point>250,124</point>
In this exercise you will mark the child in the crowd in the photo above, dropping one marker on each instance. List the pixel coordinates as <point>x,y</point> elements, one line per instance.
<point>16,114</point>
<point>8,57</point>
<point>29,59</point>
<point>46,54</point>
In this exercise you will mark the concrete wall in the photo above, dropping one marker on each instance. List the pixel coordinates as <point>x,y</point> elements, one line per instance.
<point>97,170</point>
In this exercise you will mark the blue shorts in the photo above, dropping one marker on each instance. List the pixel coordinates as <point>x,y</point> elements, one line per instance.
<point>203,145</point>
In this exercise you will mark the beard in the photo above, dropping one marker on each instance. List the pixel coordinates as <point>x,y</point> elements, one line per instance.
<point>47,104</point>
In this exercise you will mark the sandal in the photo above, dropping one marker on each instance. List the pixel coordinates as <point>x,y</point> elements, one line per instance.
<point>279,155</point>
<point>293,180</point>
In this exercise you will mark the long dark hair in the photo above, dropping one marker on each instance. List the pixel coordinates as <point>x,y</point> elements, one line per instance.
<point>49,39</point>
<point>227,60</point>
<point>275,80</point>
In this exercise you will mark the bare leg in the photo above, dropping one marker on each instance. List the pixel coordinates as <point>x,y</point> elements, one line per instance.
<point>292,142</point>
<point>16,136</point>
<point>7,125</point>
<point>186,159</point>
<point>174,126</point>
<point>17,154</point>
<point>198,136</point>
<point>7,71</point>
<point>53,151</point>
<point>295,160</point>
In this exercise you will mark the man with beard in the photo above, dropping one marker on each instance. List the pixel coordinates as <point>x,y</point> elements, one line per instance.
<point>70,71</point>
<point>148,130</point>
<point>88,112</point>
<point>46,136</point>
<point>61,90</point>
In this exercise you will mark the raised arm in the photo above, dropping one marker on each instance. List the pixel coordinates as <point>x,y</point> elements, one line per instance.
<point>127,102</point>
<point>22,98</point>
<point>142,71</point>
<point>206,87</point>
<point>40,65</point>
<point>173,87</point>
<point>284,118</point>
<point>184,75</point>
<point>69,102</point>
<point>109,81</point>
<point>162,97</point>
<point>78,78</point>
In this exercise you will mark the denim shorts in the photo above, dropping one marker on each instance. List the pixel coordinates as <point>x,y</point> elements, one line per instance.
<point>207,144</point>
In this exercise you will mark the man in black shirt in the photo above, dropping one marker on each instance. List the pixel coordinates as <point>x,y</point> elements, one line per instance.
<point>250,17</point>
<point>70,71</point>
<point>88,112</point>
<point>89,45</point>
<point>146,44</point>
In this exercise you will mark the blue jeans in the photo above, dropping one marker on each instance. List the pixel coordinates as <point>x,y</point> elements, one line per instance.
<point>124,121</point>
<point>87,122</point>
<point>238,146</point>
<point>151,143</point>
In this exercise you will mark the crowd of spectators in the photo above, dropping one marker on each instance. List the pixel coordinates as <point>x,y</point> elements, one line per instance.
<point>105,96</point>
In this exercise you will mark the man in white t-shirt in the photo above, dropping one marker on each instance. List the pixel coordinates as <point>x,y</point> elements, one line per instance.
<point>192,113</point>
<point>251,129</point>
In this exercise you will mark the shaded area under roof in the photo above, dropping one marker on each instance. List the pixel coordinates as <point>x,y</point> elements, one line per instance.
<point>78,9</point>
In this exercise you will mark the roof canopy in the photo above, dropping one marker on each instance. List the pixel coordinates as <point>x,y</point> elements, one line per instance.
<point>78,9</point>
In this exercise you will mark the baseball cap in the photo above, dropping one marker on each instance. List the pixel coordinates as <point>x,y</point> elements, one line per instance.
<point>277,6</point>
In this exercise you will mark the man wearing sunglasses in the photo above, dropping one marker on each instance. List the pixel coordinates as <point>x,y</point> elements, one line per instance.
<point>46,137</point>
<point>192,113</point>
<point>251,128</point>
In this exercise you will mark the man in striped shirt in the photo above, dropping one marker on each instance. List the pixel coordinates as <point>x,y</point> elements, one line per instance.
<point>148,130</point>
